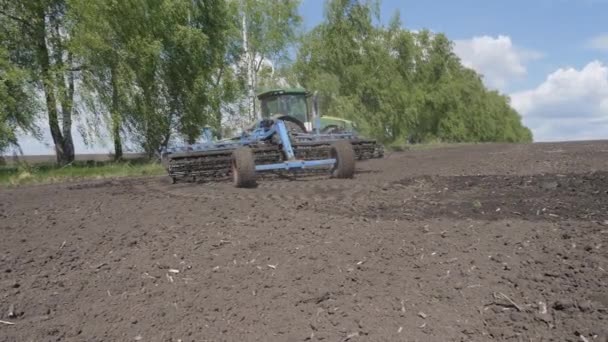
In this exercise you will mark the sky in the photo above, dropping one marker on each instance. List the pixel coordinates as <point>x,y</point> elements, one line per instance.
<point>549,56</point>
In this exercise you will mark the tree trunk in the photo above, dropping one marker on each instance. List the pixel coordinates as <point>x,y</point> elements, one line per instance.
<point>249,65</point>
<point>64,147</point>
<point>116,118</point>
<point>116,135</point>
<point>67,107</point>
<point>217,107</point>
<point>48,87</point>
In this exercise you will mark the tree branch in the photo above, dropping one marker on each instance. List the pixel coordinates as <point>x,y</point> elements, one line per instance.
<point>219,76</point>
<point>77,68</point>
<point>257,68</point>
<point>15,18</point>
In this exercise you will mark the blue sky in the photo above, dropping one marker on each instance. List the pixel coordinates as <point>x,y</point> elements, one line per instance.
<point>559,29</point>
<point>550,56</point>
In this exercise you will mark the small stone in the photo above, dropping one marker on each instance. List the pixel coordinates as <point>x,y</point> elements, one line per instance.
<point>600,300</point>
<point>497,258</point>
<point>11,311</point>
<point>496,309</point>
<point>543,317</point>
<point>422,314</point>
<point>549,185</point>
<point>562,305</point>
<point>517,317</point>
<point>602,336</point>
<point>585,306</point>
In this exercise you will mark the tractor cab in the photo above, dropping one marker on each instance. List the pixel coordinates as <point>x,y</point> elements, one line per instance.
<point>287,103</point>
<point>299,104</point>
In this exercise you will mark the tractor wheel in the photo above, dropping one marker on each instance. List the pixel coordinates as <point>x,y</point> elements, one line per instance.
<point>342,152</point>
<point>331,129</point>
<point>243,168</point>
<point>293,125</point>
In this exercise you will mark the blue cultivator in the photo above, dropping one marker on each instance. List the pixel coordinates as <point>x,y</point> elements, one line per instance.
<point>277,143</point>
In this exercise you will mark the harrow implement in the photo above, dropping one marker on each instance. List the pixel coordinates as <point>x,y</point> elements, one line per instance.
<point>268,149</point>
<point>277,143</point>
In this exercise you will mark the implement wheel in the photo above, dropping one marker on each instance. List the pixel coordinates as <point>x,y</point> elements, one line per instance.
<point>342,152</point>
<point>243,168</point>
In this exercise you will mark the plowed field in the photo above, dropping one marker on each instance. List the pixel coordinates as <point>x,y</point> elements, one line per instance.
<point>468,243</point>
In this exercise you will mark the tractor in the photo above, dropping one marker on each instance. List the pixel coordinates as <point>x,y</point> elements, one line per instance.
<point>289,136</point>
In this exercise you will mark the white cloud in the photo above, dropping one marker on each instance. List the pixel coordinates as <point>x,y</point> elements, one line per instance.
<point>570,104</point>
<point>599,42</point>
<point>498,59</point>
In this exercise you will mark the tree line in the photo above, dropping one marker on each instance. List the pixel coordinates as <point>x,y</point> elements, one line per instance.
<point>152,71</point>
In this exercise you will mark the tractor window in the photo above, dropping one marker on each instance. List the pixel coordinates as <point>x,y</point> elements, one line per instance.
<point>291,105</point>
<point>270,107</point>
<point>295,106</point>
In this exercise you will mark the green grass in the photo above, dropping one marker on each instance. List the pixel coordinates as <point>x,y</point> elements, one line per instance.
<point>41,174</point>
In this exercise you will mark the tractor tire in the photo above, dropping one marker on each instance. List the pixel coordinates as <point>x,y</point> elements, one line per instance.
<point>293,125</point>
<point>243,168</point>
<point>343,153</point>
<point>331,129</point>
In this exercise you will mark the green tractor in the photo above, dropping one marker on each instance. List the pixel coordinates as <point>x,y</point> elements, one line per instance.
<point>289,135</point>
<point>298,108</point>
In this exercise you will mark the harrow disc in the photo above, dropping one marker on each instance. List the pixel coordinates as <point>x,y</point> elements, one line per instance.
<point>217,165</point>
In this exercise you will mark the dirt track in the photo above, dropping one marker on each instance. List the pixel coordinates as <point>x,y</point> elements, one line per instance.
<point>477,243</point>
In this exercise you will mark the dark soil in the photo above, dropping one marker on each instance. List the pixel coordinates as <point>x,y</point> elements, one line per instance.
<point>471,243</point>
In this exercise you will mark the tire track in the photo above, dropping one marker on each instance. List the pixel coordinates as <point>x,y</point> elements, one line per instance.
<point>278,191</point>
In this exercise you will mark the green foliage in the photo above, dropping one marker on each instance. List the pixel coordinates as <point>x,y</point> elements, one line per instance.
<point>271,27</point>
<point>38,174</point>
<point>160,73</point>
<point>161,70</point>
<point>268,30</point>
<point>400,85</point>
<point>17,111</point>
<point>37,33</point>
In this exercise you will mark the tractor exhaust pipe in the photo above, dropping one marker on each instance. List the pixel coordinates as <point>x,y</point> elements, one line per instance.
<point>316,117</point>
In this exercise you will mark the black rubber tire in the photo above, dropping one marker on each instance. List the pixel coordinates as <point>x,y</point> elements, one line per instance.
<point>243,168</point>
<point>331,129</point>
<point>293,125</point>
<point>344,154</point>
